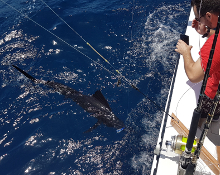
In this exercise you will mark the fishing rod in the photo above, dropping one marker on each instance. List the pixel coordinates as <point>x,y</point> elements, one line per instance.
<point>117,71</point>
<point>187,162</point>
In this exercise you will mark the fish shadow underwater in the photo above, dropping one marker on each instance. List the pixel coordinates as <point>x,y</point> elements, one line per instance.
<point>95,104</point>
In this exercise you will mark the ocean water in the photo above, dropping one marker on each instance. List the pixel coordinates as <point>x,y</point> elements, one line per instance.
<point>41,132</point>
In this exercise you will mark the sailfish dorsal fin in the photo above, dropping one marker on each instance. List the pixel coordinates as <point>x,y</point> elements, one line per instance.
<point>99,96</point>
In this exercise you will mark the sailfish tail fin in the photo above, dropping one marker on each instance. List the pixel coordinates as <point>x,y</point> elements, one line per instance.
<point>25,73</point>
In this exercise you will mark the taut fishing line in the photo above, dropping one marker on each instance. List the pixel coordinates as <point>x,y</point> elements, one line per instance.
<point>129,74</point>
<point>59,38</point>
<point>120,75</point>
<point>81,37</point>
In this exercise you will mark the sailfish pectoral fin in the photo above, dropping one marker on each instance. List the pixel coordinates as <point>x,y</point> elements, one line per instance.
<point>93,127</point>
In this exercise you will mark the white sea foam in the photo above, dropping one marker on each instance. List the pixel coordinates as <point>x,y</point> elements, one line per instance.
<point>156,47</point>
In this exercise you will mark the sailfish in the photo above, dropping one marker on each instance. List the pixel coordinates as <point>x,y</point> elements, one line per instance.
<point>95,104</point>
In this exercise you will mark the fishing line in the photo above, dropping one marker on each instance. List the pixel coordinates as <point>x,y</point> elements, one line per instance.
<point>64,21</point>
<point>58,38</point>
<point>82,38</point>
<point>183,96</point>
<point>125,79</point>
<point>200,7</point>
<point>131,49</point>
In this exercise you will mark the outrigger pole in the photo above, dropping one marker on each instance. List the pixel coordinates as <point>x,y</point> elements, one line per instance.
<point>187,163</point>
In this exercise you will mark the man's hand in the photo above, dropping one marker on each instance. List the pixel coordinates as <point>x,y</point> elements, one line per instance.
<point>199,27</point>
<point>193,69</point>
<point>183,48</point>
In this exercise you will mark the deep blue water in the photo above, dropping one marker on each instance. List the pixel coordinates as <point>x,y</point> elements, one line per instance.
<point>41,132</point>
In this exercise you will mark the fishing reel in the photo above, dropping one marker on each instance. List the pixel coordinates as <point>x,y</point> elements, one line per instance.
<point>178,144</point>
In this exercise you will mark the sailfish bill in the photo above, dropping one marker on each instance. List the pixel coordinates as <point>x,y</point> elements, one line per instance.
<point>96,104</point>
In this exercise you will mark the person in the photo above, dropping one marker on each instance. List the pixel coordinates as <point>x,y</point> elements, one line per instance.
<point>206,19</point>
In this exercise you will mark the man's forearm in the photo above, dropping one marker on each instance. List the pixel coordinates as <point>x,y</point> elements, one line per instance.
<point>188,65</point>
